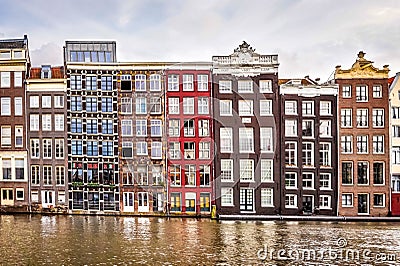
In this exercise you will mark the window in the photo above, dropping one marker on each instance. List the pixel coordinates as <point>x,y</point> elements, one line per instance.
<point>377,144</point>
<point>59,122</point>
<point>346,143</point>
<point>91,104</point>
<point>290,128</point>
<point>395,155</point>
<point>290,201</point>
<point>266,144</point>
<point>34,101</point>
<point>362,117</point>
<point>266,170</point>
<point>347,173</point>
<point>18,106</point>
<point>126,82</point>
<point>396,112</point>
<point>226,197</point>
<point>59,144</point>
<point>267,197</point>
<point>202,105</point>
<point>156,172</point>
<point>46,122</point>
<point>127,149</point>
<point>246,170</point>
<point>187,82</point>
<point>174,150</point>
<point>362,173</point>
<point>76,103</point>
<point>107,148</point>
<point>156,150</point>
<point>363,203</point>
<point>6,169</point>
<point>174,128</point>
<point>190,175</point>
<point>290,107</point>
<point>92,148</point>
<point>76,125</point>
<point>173,105</point>
<point>18,79</point>
<point>324,201</point>
<point>202,82</point>
<point>155,105</point>
<point>362,144</point>
<point>189,151</point>
<point>308,181</point>
<point>140,82</point>
<point>5,79</point>
<point>173,82</point>
<point>141,128</point>
<point>126,105</point>
<point>141,107</point>
<point>226,140</point>
<point>347,200</point>
<point>142,177</point>
<point>91,83</point>
<point>60,175</point>
<point>290,180</point>
<point>106,104</point>
<point>5,55</point>
<point>126,127</point>
<point>155,82</point>
<point>308,154</point>
<point>91,126</point>
<point>325,181</point>
<point>225,107</point>
<point>76,147</point>
<point>141,148</point>
<point>396,183</point>
<point>308,108</point>
<point>346,118</point>
<point>47,148</point>
<point>204,128</point>
<point>346,91</point>
<point>46,101</point>
<point>188,128</point>
<point>245,86</point>
<point>47,174</point>
<point>35,148</point>
<point>308,128</point>
<point>361,93</point>
<point>5,106</point>
<point>225,86</point>
<point>325,129</point>
<point>34,122</point>
<point>325,108</point>
<point>379,173</point>
<point>5,136</point>
<point>226,170</point>
<point>246,140</point>
<point>204,150</point>
<point>106,83</point>
<point>19,136</point>
<point>188,105</point>
<point>377,91</point>
<point>378,118</point>
<point>265,86</point>
<point>265,107</point>
<point>156,128</point>
<point>175,175</point>
<point>396,131</point>
<point>291,153</point>
<point>325,154</point>
<point>379,200</point>
<point>35,174</point>
<point>245,107</point>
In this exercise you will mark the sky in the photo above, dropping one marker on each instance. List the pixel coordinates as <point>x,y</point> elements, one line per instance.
<point>311,37</point>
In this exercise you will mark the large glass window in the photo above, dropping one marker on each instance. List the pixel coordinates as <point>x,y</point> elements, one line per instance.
<point>246,140</point>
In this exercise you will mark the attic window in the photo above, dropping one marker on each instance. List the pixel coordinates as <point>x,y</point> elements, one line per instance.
<point>46,72</point>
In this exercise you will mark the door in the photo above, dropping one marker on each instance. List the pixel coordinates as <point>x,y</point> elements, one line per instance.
<point>143,202</point>
<point>48,199</point>
<point>363,204</point>
<point>7,196</point>
<point>308,203</point>
<point>129,202</point>
<point>246,199</point>
<point>205,202</point>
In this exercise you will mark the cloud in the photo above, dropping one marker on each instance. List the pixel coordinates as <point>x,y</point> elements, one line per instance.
<point>47,54</point>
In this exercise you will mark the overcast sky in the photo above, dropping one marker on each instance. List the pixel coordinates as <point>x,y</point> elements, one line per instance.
<point>310,37</point>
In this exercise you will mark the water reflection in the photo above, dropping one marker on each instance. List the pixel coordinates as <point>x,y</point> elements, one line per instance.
<point>81,240</point>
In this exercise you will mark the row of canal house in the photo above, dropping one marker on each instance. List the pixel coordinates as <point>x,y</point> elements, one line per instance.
<point>100,136</point>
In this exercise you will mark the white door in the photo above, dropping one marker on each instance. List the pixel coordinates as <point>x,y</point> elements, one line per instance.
<point>160,201</point>
<point>48,199</point>
<point>143,202</point>
<point>129,201</point>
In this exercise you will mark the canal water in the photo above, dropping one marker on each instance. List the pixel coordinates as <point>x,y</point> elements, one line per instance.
<point>104,240</point>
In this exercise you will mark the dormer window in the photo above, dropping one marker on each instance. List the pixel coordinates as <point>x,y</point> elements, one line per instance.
<point>46,72</point>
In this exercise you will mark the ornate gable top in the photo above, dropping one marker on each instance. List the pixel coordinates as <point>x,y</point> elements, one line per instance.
<point>362,68</point>
<point>244,48</point>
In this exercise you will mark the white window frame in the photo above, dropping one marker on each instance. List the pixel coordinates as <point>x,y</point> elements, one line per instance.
<point>265,107</point>
<point>225,86</point>
<point>225,107</point>
<point>265,86</point>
